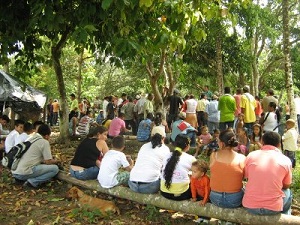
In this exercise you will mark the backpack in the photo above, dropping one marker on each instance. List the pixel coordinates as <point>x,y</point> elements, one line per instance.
<point>12,158</point>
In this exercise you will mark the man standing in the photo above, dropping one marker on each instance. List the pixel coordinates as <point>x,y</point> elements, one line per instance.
<point>267,99</point>
<point>148,106</point>
<point>74,103</point>
<point>269,174</point>
<point>175,102</point>
<point>248,105</point>
<point>37,165</point>
<point>208,93</point>
<point>227,108</point>
<point>201,105</point>
<point>55,109</point>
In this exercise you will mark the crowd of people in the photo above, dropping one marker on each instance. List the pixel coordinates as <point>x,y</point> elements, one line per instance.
<point>240,133</point>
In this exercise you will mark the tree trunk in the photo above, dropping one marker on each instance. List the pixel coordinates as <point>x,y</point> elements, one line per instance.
<point>287,58</point>
<point>238,215</point>
<point>219,64</point>
<point>79,77</point>
<point>64,109</point>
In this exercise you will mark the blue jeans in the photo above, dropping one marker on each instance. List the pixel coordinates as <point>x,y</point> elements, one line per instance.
<point>224,125</point>
<point>86,174</point>
<point>192,136</point>
<point>226,200</point>
<point>287,202</point>
<point>212,126</point>
<point>145,188</point>
<point>41,174</point>
<point>249,128</point>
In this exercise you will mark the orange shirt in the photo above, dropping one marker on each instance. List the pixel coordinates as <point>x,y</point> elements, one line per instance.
<point>226,177</point>
<point>200,187</point>
<point>55,106</point>
<point>258,109</point>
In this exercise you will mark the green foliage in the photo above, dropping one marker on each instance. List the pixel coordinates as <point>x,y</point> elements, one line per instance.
<point>153,214</point>
<point>87,215</point>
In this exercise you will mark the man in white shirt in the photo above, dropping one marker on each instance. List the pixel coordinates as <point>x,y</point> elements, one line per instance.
<point>3,121</point>
<point>11,138</point>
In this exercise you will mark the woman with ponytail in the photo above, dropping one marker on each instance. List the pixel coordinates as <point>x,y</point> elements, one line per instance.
<point>145,175</point>
<point>175,180</point>
<point>226,173</point>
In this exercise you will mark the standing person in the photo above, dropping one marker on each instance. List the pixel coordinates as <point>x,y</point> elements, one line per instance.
<point>88,155</point>
<point>227,107</point>
<point>11,138</point>
<point>117,126</point>
<point>37,165</point>
<point>175,103</point>
<point>148,106</point>
<point>128,110</point>
<point>271,119</point>
<point>139,109</point>
<point>110,108</point>
<point>213,114</point>
<point>271,168</point>
<point>145,174</point>
<point>104,106</point>
<point>109,175</point>
<point>289,141</point>
<point>74,103</point>
<point>237,97</point>
<point>248,105</point>
<point>55,110</point>
<point>50,112</point>
<point>267,99</point>
<point>175,180</point>
<point>191,117</point>
<point>122,102</point>
<point>208,93</point>
<point>226,173</point>
<point>258,109</point>
<point>297,110</point>
<point>201,105</point>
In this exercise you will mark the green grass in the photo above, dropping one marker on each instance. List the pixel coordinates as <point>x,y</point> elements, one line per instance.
<point>295,187</point>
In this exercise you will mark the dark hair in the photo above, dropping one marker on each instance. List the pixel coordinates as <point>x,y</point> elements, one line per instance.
<point>216,131</point>
<point>121,114</point>
<point>271,138</point>
<point>239,91</point>
<point>156,140</point>
<point>260,131</point>
<point>6,118</point>
<point>181,141</point>
<point>201,165</point>
<point>228,138</point>
<point>73,114</point>
<point>202,95</point>
<point>37,123</point>
<point>150,116</point>
<point>130,99</point>
<point>272,104</point>
<point>95,130</point>
<point>227,90</point>
<point>28,127</point>
<point>270,91</point>
<point>72,95</point>
<point>118,142</point>
<point>44,130</point>
<point>19,122</point>
<point>157,119</point>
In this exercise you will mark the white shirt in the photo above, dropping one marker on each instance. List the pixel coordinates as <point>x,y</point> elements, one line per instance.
<point>104,106</point>
<point>10,140</point>
<point>22,137</point>
<point>271,122</point>
<point>191,105</point>
<point>297,105</point>
<point>111,163</point>
<point>289,140</point>
<point>149,162</point>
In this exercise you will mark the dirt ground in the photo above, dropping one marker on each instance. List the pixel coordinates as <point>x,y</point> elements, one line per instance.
<point>48,204</point>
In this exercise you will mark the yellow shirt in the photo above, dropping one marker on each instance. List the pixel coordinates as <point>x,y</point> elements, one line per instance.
<point>248,103</point>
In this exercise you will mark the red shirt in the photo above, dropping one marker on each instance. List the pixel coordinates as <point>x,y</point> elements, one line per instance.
<point>200,187</point>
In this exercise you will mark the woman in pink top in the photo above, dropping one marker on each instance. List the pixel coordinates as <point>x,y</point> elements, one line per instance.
<point>226,173</point>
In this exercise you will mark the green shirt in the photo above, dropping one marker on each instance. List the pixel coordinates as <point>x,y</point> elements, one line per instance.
<point>227,108</point>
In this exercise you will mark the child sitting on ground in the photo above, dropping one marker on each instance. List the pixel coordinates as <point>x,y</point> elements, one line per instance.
<point>289,141</point>
<point>200,186</point>
<point>244,141</point>
<point>109,174</point>
<point>256,138</point>
<point>240,123</point>
<point>213,144</point>
<point>203,140</point>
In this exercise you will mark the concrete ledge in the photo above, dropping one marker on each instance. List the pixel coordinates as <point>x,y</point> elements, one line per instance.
<point>239,215</point>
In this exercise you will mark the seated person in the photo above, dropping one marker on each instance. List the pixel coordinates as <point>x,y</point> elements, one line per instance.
<point>182,127</point>
<point>117,126</point>
<point>145,175</point>
<point>73,120</point>
<point>272,169</point>
<point>28,130</point>
<point>11,138</point>
<point>109,175</point>
<point>100,117</point>
<point>88,155</point>
<point>4,120</point>
<point>37,165</point>
<point>144,128</point>
<point>85,123</point>
<point>203,140</point>
<point>175,179</point>
<point>213,144</point>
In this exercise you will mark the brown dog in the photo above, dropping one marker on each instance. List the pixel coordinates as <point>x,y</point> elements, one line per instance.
<point>95,203</point>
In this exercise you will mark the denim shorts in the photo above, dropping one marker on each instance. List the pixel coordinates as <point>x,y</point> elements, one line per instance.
<point>85,174</point>
<point>226,200</point>
<point>145,188</point>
